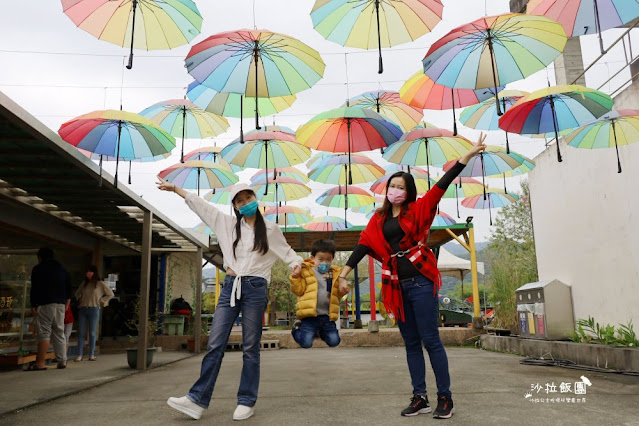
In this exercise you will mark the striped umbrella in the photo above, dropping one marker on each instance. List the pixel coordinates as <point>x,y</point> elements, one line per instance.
<point>613,129</point>
<point>287,215</point>
<point>210,153</point>
<point>289,172</point>
<point>390,105</point>
<point>182,118</point>
<point>343,196</point>
<point>463,187</point>
<point>197,174</point>
<point>334,169</point>
<point>280,189</point>
<point>554,109</point>
<point>202,228</point>
<point>495,198</point>
<point>310,164</point>
<point>100,158</point>
<point>219,195</point>
<point>327,224</point>
<point>443,219</point>
<point>422,92</point>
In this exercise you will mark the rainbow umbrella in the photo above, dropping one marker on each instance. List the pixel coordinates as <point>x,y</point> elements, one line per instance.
<point>343,196</point>
<point>422,92</point>
<point>427,147</point>
<point>280,189</point>
<point>493,51</point>
<point>334,169</point>
<point>310,164</point>
<point>287,215</point>
<point>255,63</point>
<point>327,224</point>
<point>613,129</point>
<point>370,24</point>
<point>117,134</point>
<point>289,172</point>
<point>182,118</point>
<point>495,198</point>
<point>100,158</point>
<point>162,24</point>
<point>554,109</point>
<point>202,228</point>
<point>423,181</point>
<point>219,195</point>
<point>390,105</point>
<point>582,17</point>
<point>443,219</point>
<point>197,174</point>
<point>463,187</point>
<point>483,116</point>
<point>210,153</point>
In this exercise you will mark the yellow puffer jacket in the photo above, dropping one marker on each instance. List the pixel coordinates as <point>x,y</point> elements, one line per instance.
<point>305,288</point>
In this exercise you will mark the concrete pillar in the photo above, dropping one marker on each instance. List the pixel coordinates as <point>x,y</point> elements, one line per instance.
<point>197,325</point>
<point>145,272</point>
<point>569,65</point>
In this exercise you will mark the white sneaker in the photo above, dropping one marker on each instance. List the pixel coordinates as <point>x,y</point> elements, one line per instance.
<point>242,412</point>
<point>185,406</point>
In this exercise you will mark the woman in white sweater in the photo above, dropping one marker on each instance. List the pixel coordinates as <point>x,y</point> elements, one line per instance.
<point>250,245</point>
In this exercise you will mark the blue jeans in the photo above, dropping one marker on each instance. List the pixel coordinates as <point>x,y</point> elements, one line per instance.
<point>252,305</point>
<point>309,328</point>
<point>420,325</point>
<point>91,315</point>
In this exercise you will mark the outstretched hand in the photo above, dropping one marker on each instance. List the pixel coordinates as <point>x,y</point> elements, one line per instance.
<point>165,186</point>
<point>297,272</point>
<point>476,148</point>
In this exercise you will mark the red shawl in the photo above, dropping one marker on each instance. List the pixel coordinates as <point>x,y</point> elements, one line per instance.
<point>415,221</point>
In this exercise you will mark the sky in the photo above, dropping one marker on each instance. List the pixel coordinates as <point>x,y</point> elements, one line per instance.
<point>57,72</point>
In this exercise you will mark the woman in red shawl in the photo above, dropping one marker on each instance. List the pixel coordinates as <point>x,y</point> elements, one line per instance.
<point>396,236</point>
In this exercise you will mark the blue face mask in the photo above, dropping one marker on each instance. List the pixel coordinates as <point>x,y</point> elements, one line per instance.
<point>249,209</point>
<point>323,268</point>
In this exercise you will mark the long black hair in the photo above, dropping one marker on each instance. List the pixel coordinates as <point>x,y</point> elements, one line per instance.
<point>411,193</point>
<point>94,279</point>
<point>260,241</point>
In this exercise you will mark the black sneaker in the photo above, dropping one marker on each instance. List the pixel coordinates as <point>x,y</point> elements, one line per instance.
<point>418,405</point>
<point>444,408</point>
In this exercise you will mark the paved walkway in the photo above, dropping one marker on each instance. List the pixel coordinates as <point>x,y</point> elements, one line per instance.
<point>337,386</point>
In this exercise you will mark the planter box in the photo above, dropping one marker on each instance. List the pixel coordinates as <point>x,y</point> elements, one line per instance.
<point>132,357</point>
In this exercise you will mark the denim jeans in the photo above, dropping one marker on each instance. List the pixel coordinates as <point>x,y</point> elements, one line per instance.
<point>305,335</point>
<point>252,305</point>
<point>91,315</point>
<point>420,326</point>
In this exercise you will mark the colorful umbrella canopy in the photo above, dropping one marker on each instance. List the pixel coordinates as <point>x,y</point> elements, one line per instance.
<point>343,196</point>
<point>422,92</point>
<point>210,153</point>
<point>370,24</point>
<point>495,198</point>
<point>219,195</point>
<point>463,187</point>
<point>100,158</point>
<point>443,219</point>
<point>289,172</point>
<point>334,169</point>
<point>197,174</point>
<point>423,181</point>
<point>613,129</point>
<point>255,63</point>
<point>554,109</point>
<point>483,116</point>
<point>310,164</point>
<point>327,224</point>
<point>582,17</point>
<point>202,228</point>
<point>118,134</point>
<point>182,118</point>
<point>493,51</point>
<point>287,215</point>
<point>161,24</point>
<point>280,189</point>
<point>390,105</point>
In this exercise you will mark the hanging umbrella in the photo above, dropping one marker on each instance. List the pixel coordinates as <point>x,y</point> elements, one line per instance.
<point>333,169</point>
<point>327,224</point>
<point>493,51</point>
<point>289,172</point>
<point>390,105</point>
<point>373,24</point>
<point>423,181</point>
<point>160,24</point>
<point>287,215</point>
<point>117,134</point>
<point>463,187</point>
<point>583,17</point>
<point>182,118</point>
<point>422,92</point>
<point>443,219</point>
<point>219,195</point>
<point>495,198</point>
<point>483,116</point>
<point>255,63</point>
<point>202,228</point>
<point>197,174</point>
<point>310,164</point>
<point>554,109</point>
<point>210,153</point>
<point>427,147</point>
<point>100,158</point>
<point>613,129</point>
<point>280,189</point>
<point>342,196</point>
<point>426,125</point>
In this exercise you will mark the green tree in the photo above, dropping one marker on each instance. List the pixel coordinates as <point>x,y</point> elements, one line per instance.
<point>208,303</point>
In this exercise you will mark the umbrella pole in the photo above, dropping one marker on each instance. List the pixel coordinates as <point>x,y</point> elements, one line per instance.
<point>483,172</point>
<point>507,144</point>
<point>117,154</point>
<point>277,206</point>
<point>379,39</point>
<point>505,190</point>
<point>350,177</point>
<point>130,64</point>
<point>427,162</point>
<point>492,64</point>
<point>490,213</point>
<point>457,201</point>
<point>614,132</point>
<point>198,181</point>
<point>452,95</point>
<point>266,165</point>
<point>256,53</point>
<point>241,118</point>
<point>554,123</point>
<point>129,172</point>
<point>100,183</point>
<point>598,24</point>
<point>183,132</point>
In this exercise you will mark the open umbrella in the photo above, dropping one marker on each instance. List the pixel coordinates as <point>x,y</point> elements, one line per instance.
<point>197,174</point>
<point>495,198</point>
<point>554,109</point>
<point>390,105</point>
<point>287,215</point>
<point>463,187</point>
<point>613,129</point>
<point>289,172</point>
<point>422,92</point>
<point>161,24</point>
<point>210,153</point>
<point>280,189</point>
<point>310,164</point>
<point>182,118</point>
<point>333,169</point>
<point>100,158</point>
<point>327,224</point>
<point>202,228</point>
<point>117,134</point>
<point>443,219</point>
<point>370,24</point>
<point>582,17</point>
<point>219,195</point>
<point>493,51</point>
<point>341,197</point>
<point>483,116</point>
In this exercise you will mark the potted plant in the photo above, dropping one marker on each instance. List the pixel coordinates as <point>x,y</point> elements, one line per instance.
<point>152,328</point>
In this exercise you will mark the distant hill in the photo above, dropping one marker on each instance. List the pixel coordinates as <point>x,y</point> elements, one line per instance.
<point>459,251</point>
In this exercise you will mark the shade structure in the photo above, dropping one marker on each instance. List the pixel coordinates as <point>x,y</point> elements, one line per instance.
<point>334,169</point>
<point>443,219</point>
<point>117,134</point>
<point>287,215</point>
<point>289,172</point>
<point>422,92</point>
<point>202,228</point>
<point>423,181</point>
<point>617,128</point>
<point>583,17</point>
<point>182,118</point>
<point>160,24</point>
<point>554,109</point>
<point>234,104</point>
<point>462,187</point>
<point>280,189</point>
<point>390,105</point>
<point>210,153</point>
<point>373,24</point>
<point>198,175</point>
<point>483,116</point>
<point>495,199</point>
<point>327,224</point>
<point>494,50</point>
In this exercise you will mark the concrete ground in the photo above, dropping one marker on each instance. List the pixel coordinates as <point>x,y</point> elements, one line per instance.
<point>324,386</point>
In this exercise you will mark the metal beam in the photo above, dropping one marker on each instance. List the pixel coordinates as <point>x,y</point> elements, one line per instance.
<point>145,278</point>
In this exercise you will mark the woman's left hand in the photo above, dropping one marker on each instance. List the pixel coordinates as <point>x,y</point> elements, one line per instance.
<point>297,272</point>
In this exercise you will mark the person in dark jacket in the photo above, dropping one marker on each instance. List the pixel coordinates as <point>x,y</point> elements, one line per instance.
<point>50,296</point>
